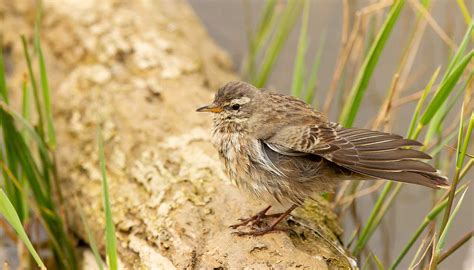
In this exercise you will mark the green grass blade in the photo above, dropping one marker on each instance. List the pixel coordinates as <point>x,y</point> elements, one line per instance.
<point>412,133</point>
<point>8,211</point>
<point>8,174</point>
<point>426,221</point>
<point>460,137</point>
<point>370,35</point>
<point>25,101</point>
<point>436,124</point>
<point>6,151</point>
<point>256,42</point>
<point>410,244</point>
<point>90,237</point>
<point>289,17</point>
<point>467,168</point>
<point>266,24</point>
<point>357,92</point>
<point>43,178</point>
<point>3,84</point>
<point>384,209</point>
<point>463,150</point>
<point>51,136</point>
<point>310,88</point>
<point>442,238</point>
<point>31,171</point>
<point>25,107</point>
<point>464,10</point>
<point>41,191</point>
<point>38,103</point>
<point>458,244</point>
<point>8,157</point>
<point>12,185</point>
<point>459,159</point>
<point>26,125</point>
<point>445,141</point>
<point>445,89</point>
<point>366,231</point>
<point>462,47</point>
<point>111,245</point>
<point>299,67</point>
<point>378,262</point>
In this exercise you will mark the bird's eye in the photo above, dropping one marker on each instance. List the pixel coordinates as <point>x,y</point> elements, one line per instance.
<point>235,107</point>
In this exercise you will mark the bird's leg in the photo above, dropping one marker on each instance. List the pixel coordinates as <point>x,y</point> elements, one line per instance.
<point>257,218</point>
<point>269,228</point>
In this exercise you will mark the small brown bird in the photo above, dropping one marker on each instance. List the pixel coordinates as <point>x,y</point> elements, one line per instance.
<point>282,151</point>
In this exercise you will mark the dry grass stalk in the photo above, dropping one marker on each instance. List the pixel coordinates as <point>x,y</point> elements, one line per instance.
<point>363,192</point>
<point>347,45</point>
<point>434,25</point>
<point>384,114</point>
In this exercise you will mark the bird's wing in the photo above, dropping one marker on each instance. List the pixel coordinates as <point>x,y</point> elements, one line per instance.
<point>367,152</point>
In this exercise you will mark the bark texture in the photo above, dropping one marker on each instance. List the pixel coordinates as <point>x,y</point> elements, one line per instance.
<point>139,69</point>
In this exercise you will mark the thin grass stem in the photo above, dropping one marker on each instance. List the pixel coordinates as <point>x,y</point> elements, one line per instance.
<point>456,246</point>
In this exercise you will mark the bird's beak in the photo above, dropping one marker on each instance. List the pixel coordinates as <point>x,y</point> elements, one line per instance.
<point>210,108</point>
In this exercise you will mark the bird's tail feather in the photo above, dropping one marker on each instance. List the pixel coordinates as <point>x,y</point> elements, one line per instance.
<point>428,179</point>
<point>381,155</point>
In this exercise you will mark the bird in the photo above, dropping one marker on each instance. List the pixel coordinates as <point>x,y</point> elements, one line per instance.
<point>282,151</point>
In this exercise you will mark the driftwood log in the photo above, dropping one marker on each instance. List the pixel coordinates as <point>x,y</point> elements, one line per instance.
<point>139,69</point>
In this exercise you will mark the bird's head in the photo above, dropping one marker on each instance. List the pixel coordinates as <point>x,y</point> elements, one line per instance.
<point>234,102</point>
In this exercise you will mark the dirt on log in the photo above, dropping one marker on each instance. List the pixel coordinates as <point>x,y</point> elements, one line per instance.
<point>139,69</point>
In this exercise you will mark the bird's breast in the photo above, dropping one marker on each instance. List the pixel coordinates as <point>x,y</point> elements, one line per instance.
<point>234,152</point>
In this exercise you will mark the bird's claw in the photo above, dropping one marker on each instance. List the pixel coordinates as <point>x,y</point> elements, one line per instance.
<point>257,219</point>
<point>259,224</point>
<point>253,220</point>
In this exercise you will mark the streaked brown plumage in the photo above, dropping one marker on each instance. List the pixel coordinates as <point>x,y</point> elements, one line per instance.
<point>281,150</point>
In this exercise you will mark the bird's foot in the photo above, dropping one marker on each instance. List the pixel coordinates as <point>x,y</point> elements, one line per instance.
<point>254,220</point>
<point>259,226</point>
